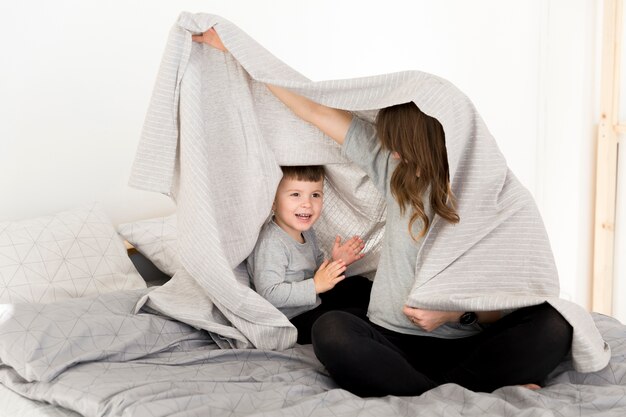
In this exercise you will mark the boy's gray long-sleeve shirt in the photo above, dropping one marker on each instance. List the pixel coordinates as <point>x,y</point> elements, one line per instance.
<point>282,269</point>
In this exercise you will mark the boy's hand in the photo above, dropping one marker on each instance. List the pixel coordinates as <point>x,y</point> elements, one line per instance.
<point>210,37</point>
<point>349,251</point>
<point>328,275</point>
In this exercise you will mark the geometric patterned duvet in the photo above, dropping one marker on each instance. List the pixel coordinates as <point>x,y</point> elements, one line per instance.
<point>95,357</point>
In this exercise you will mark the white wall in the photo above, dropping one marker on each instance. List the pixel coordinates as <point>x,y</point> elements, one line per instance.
<point>77,75</point>
<point>568,116</point>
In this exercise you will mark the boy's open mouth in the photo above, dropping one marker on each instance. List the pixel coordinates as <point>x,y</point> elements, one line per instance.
<point>304,216</point>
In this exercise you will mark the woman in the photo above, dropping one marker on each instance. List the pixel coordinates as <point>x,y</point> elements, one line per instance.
<point>397,349</point>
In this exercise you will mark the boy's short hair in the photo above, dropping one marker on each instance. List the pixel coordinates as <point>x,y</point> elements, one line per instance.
<point>309,173</point>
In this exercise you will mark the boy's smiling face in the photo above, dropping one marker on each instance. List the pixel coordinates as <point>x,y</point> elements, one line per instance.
<point>298,205</point>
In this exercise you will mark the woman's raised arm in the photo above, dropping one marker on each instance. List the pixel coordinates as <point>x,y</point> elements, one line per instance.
<point>331,121</point>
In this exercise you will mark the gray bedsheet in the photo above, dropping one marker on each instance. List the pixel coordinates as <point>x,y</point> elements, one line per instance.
<point>95,357</point>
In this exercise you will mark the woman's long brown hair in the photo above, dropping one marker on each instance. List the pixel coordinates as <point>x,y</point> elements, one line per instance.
<point>420,141</point>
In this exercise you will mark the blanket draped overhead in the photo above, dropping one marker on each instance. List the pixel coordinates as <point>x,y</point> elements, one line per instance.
<point>214,138</point>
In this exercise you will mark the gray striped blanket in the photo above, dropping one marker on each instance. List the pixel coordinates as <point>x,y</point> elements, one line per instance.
<point>214,138</point>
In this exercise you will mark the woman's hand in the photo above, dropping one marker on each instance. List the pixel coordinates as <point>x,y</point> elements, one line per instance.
<point>349,251</point>
<point>210,37</point>
<point>328,275</point>
<point>429,320</point>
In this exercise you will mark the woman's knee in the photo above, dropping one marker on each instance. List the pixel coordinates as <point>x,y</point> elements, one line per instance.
<point>552,328</point>
<point>334,330</point>
<point>551,321</point>
<point>332,324</point>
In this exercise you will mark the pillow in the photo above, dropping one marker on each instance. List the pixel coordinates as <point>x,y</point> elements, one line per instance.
<point>156,239</point>
<point>71,254</point>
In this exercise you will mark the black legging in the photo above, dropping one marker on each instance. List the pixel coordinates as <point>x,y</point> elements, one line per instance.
<point>369,360</point>
<point>351,295</point>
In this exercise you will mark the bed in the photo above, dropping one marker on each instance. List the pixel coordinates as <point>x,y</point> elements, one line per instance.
<point>91,355</point>
<point>180,372</point>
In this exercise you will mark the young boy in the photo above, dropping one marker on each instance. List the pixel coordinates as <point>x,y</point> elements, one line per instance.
<point>288,268</point>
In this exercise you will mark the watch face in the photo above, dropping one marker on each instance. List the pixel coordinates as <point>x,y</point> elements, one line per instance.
<point>468,318</point>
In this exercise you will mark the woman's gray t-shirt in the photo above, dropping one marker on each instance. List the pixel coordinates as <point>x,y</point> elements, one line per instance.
<point>396,269</point>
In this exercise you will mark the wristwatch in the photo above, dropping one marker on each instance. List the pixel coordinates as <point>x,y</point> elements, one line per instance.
<point>468,318</point>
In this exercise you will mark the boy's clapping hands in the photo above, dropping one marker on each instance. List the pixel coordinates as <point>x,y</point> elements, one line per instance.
<point>328,275</point>
<point>349,251</point>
